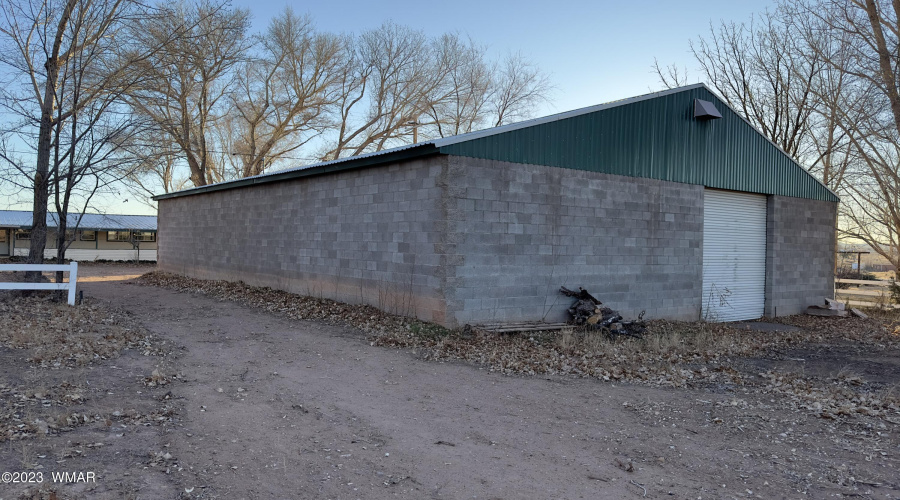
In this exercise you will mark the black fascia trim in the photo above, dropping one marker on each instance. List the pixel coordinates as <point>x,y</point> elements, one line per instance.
<point>349,164</point>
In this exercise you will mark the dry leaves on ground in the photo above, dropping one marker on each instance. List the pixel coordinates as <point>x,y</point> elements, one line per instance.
<point>671,353</point>
<point>26,411</point>
<point>363,317</point>
<point>56,334</point>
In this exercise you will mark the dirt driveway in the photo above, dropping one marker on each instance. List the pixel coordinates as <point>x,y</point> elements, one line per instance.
<point>275,408</point>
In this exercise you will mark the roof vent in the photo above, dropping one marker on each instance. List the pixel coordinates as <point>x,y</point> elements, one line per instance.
<point>705,110</point>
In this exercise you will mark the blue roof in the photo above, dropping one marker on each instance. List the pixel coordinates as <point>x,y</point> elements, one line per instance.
<point>99,222</point>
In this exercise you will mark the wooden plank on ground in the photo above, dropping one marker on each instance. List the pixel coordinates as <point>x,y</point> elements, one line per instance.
<point>818,311</point>
<point>869,293</point>
<point>859,314</point>
<point>863,282</point>
<point>858,303</point>
<point>522,327</point>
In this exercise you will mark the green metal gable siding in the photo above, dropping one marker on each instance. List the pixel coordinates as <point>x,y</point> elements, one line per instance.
<point>656,138</point>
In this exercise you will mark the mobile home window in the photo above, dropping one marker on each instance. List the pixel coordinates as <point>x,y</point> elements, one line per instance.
<point>89,236</point>
<point>23,234</point>
<point>145,236</point>
<point>118,236</point>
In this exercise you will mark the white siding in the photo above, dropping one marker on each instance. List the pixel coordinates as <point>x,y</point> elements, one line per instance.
<point>734,256</point>
<point>81,254</point>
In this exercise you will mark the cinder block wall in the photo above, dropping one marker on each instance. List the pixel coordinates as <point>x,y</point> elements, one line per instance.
<point>799,254</point>
<point>518,232</point>
<point>361,236</point>
<point>459,240</point>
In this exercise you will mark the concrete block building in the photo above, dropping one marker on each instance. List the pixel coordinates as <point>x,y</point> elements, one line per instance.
<point>668,203</point>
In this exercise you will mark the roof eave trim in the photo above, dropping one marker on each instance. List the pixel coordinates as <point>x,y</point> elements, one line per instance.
<point>785,153</point>
<point>425,149</point>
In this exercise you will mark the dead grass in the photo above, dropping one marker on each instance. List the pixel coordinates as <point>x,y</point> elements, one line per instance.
<point>884,275</point>
<point>57,334</point>
<point>662,357</point>
<point>679,354</point>
<point>31,410</point>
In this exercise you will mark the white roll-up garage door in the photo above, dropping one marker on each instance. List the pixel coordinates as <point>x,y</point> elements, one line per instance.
<point>734,255</point>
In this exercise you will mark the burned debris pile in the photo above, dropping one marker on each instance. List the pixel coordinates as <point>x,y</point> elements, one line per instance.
<point>590,313</point>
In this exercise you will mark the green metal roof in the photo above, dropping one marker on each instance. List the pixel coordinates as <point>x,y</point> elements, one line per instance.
<point>653,136</point>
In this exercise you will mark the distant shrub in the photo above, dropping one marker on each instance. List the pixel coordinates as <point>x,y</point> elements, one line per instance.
<point>895,292</point>
<point>853,274</point>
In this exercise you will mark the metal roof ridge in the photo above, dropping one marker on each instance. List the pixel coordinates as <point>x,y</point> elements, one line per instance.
<point>478,134</point>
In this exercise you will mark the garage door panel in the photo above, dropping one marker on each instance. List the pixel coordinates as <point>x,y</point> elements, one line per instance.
<point>734,255</point>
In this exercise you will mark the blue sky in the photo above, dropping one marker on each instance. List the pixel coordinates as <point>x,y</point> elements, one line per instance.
<point>594,51</point>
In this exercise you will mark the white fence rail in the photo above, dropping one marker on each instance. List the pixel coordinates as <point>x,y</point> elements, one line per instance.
<point>864,293</point>
<point>72,269</point>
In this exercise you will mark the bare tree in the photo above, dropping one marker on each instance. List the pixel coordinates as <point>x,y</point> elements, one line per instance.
<point>88,160</point>
<point>840,104</point>
<point>85,162</point>
<point>466,91</point>
<point>187,82</point>
<point>670,76</point>
<point>479,93</point>
<point>397,81</point>
<point>773,71</point>
<point>755,67</point>
<point>45,44</point>
<point>830,153</point>
<point>869,66</point>
<point>285,94</point>
<point>232,108</point>
<point>71,64</point>
<point>158,166</point>
<point>391,75</point>
<point>520,87</point>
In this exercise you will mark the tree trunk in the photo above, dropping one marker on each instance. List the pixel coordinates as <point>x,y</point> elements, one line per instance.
<point>885,64</point>
<point>61,247</point>
<point>45,134</point>
<point>41,184</point>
